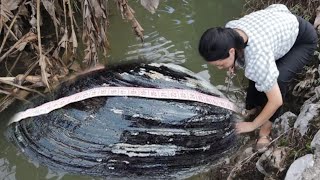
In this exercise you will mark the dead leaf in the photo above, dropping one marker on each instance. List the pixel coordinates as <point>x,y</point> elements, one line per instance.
<point>97,9</point>
<point>6,8</point>
<point>73,38</point>
<point>95,25</point>
<point>64,40</point>
<point>317,20</point>
<point>27,38</point>
<point>50,7</point>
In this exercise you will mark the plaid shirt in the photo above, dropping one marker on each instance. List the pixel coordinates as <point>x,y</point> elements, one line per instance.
<point>271,34</point>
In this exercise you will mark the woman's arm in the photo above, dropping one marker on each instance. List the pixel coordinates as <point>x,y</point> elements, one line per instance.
<point>274,102</point>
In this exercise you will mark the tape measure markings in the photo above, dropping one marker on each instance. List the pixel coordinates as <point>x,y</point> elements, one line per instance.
<point>178,94</point>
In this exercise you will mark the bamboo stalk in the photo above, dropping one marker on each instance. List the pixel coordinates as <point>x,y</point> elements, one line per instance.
<point>7,79</point>
<point>10,31</point>
<point>73,34</point>
<point>14,65</point>
<point>5,92</point>
<point>42,62</point>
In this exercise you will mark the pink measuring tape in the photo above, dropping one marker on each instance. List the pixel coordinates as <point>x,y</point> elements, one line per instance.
<point>179,94</point>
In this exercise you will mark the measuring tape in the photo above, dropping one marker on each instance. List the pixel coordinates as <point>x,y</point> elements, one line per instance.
<point>178,94</point>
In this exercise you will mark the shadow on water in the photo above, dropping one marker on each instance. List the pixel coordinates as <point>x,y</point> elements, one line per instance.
<point>171,35</point>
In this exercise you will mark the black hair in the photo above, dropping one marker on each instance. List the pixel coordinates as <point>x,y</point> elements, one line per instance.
<point>216,42</point>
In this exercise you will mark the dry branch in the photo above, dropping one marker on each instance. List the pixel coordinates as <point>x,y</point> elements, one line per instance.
<point>9,28</point>
<point>27,38</point>
<point>42,58</point>
<point>128,13</point>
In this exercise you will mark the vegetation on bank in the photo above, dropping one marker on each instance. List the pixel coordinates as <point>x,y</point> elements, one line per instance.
<point>294,144</point>
<point>304,8</point>
<point>40,41</point>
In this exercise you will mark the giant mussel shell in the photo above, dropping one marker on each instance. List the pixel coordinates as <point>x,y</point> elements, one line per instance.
<point>127,136</point>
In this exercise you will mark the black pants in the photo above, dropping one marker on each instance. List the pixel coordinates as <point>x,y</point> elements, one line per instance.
<point>289,65</point>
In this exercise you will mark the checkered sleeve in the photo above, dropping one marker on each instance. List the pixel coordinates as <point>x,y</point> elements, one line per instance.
<point>271,34</point>
<point>278,8</point>
<point>262,70</point>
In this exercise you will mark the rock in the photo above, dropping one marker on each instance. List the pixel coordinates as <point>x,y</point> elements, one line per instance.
<point>245,154</point>
<point>315,144</point>
<point>227,161</point>
<point>308,112</point>
<point>272,162</point>
<point>261,161</point>
<point>313,172</point>
<point>297,168</point>
<point>315,98</point>
<point>282,124</point>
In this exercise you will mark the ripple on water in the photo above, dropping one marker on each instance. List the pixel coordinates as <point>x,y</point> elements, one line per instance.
<point>7,171</point>
<point>161,43</point>
<point>157,48</point>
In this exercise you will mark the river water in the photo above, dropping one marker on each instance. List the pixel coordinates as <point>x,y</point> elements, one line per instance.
<point>171,35</point>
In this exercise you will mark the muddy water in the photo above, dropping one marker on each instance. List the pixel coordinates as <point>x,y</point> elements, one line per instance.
<point>171,35</point>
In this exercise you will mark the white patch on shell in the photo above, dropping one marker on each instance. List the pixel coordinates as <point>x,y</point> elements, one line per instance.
<point>227,133</point>
<point>156,75</point>
<point>114,161</point>
<point>142,71</point>
<point>172,132</point>
<point>191,83</point>
<point>117,111</point>
<point>134,133</point>
<point>204,133</point>
<point>126,162</point>
<point>168,132</point>
<point>125,73</point>
<point>154,118</point>
<point>144,150</point>
<point>133,150</point>
<point>199,80</point>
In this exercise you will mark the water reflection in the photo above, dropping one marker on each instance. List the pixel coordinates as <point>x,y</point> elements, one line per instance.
<point>157,48</point>
<point>7,172</point>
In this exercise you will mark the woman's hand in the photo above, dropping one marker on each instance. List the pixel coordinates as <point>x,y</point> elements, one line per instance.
<point>274,102</point>
<point>243,127</point>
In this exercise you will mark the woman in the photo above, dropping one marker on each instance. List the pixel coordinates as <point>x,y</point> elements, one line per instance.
<point>272,45</point>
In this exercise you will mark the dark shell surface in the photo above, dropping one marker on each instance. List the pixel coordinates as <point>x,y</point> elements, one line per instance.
<point>125,137</point>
